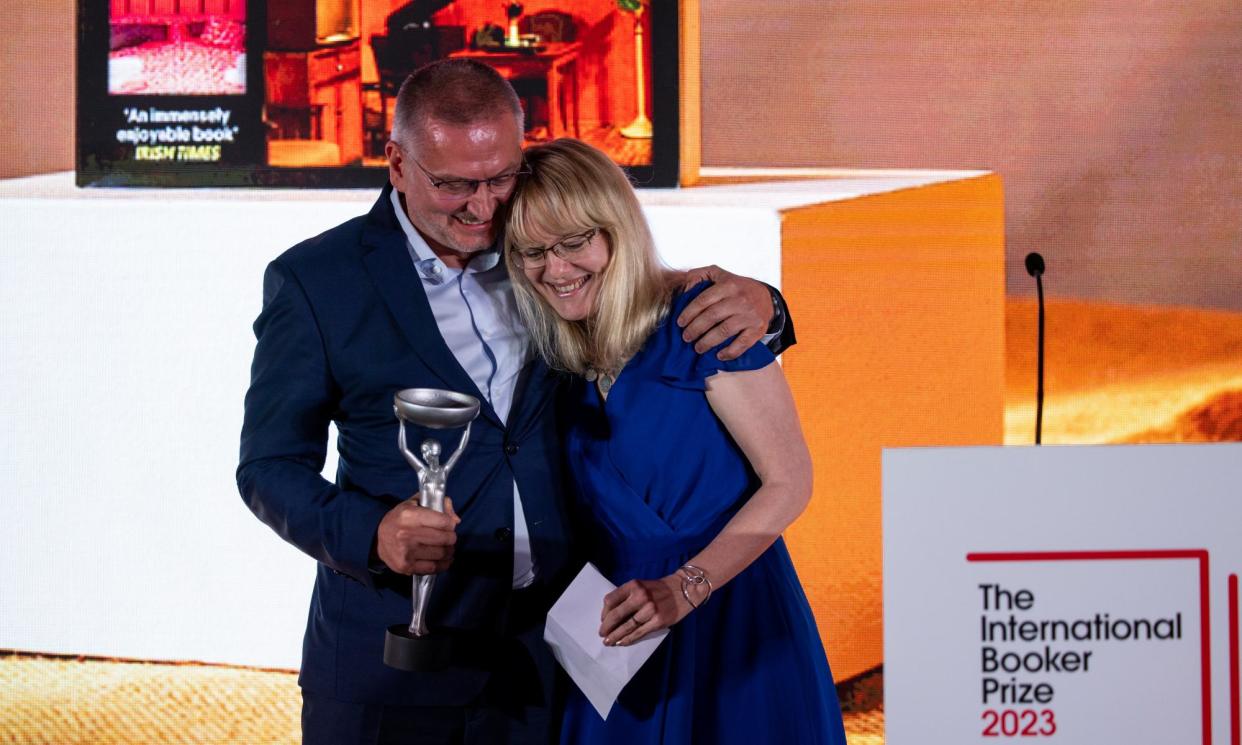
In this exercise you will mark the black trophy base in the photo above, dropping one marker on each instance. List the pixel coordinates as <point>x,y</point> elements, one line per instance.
<point>418,654</point>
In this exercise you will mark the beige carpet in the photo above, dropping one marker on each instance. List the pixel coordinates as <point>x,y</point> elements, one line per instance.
<point>58,701</point>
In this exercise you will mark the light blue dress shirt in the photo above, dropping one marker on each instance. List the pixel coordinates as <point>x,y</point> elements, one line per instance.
<point>477,316</point>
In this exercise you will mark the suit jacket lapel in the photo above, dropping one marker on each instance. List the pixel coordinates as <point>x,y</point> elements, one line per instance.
<point>388,262</point>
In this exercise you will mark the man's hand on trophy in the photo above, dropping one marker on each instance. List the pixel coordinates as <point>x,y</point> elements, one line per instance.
<point>417,540</point>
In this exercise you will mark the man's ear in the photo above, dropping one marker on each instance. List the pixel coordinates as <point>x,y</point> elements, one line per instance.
<point>396,162</point>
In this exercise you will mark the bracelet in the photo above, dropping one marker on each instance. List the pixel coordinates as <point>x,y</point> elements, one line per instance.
<point>692,575</point>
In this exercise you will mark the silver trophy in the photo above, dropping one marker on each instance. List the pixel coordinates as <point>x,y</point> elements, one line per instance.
<point>411,648</point>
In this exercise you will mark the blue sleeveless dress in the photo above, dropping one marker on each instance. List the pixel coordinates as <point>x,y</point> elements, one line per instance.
<point>658,476</point>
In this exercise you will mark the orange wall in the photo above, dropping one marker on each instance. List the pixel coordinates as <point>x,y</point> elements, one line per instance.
<point>37,61</point>
<point>1117,125</point>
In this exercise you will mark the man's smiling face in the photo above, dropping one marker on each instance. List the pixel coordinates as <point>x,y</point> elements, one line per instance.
<point>457,227</point>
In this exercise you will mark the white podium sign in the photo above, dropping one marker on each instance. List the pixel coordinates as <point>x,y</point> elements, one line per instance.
<point>1067,595</point>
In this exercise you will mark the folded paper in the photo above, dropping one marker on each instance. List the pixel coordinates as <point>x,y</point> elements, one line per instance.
<point>572,631</point>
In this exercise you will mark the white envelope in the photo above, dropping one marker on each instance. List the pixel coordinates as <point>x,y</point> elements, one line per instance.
<point>572,632</point>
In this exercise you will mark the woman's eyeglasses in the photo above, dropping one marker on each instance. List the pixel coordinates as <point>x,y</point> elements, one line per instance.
<point>566,248</point>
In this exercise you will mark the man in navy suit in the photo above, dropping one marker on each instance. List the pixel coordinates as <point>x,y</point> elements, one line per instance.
<point>415,294</point>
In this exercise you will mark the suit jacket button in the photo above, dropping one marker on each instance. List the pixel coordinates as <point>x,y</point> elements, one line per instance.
<point>503,534</point>
<point>511,448</point>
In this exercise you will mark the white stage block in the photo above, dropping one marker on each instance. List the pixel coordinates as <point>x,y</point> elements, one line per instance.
<point>125,323</point>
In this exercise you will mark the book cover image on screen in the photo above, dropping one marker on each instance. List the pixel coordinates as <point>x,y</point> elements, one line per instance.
<point>177,49</point>
<point>303,92</point>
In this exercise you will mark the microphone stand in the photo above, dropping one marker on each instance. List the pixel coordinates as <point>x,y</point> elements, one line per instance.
<point>1035,268</point>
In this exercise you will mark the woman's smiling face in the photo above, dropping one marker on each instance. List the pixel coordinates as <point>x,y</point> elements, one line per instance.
<point>570,283</point>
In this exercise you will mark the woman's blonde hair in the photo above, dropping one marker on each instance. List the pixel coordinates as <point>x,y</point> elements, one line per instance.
<point>572,188</point>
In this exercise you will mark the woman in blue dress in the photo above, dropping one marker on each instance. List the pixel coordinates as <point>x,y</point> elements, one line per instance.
<point>687,468</point>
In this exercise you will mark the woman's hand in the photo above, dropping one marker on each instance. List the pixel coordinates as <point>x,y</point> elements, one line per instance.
<point>640,607</point>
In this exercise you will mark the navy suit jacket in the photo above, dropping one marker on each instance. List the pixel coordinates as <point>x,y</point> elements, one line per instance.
<point>345,324</point>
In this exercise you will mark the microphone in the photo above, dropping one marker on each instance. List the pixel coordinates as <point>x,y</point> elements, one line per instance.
<point>1034,264</point>
<point>1035,268</point>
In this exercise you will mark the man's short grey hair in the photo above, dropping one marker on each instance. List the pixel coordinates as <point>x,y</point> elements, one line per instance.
<point>454,91</point>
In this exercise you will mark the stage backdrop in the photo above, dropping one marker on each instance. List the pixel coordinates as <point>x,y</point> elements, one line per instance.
<point>1113,125</point>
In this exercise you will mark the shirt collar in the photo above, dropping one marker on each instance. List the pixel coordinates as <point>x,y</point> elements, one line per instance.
<point>429,266</point>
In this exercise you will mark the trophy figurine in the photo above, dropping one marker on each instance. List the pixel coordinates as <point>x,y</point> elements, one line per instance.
<point>412,647</point>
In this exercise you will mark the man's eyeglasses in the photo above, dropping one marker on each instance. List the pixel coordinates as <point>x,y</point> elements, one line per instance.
<point>566,248</point>
<point>464,187</point>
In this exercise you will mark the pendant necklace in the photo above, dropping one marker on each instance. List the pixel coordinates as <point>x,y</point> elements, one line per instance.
<point>602,380</point>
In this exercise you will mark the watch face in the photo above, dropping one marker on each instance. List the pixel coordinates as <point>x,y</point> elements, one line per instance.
<point>778,315</point>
